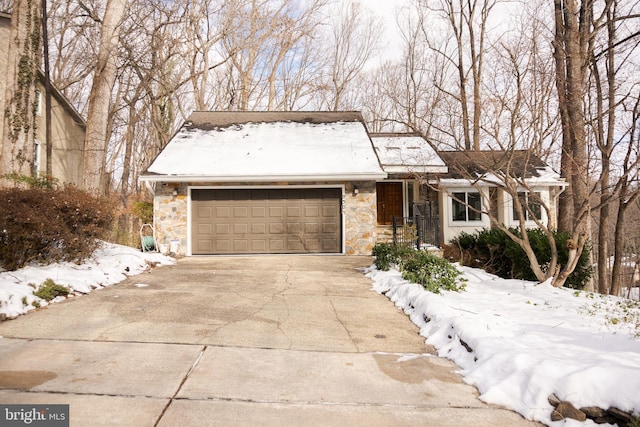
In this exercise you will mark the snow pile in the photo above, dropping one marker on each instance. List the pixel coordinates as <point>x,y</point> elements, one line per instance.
<point>110,264</point>
<point>519,342</point>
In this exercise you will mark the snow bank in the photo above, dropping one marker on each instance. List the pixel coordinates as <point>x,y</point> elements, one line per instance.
<point>108,265</point>
<point>519,342</point>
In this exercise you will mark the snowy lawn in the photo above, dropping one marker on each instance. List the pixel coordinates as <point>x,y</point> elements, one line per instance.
<point>110,264</point>
<point>519,342</point>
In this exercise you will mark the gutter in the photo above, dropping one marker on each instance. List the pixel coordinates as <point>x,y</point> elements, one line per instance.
<point>263,178</point>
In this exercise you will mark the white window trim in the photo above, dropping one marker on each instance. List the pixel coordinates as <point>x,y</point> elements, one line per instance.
<point>467,223</point>
<point>544,196</point>
<point>37,156</point>
<point>38,101</point>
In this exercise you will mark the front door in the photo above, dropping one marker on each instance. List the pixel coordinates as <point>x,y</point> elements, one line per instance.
<point>389,195</point>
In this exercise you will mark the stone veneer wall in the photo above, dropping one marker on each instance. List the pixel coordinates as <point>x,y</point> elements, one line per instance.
<point>360,215</point>
<point>170,212</point>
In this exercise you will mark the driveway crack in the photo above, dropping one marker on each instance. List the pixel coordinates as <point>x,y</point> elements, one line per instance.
<point>343,325</point>
<point>184,379</point>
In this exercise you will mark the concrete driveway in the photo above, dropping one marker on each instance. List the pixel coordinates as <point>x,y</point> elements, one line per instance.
<point>269,340</point>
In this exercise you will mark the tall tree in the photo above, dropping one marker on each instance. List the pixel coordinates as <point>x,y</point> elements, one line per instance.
<point>23,60</point>
<point>97,133</point>
<point>467,24</point>
<point>354,39</point>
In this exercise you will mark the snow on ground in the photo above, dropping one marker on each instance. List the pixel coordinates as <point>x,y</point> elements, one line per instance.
<point>110,264</point>
<point>529,340</point>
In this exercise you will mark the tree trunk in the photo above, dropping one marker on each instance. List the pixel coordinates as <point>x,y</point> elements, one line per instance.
<point>97,132</point>
<point>23,60</point>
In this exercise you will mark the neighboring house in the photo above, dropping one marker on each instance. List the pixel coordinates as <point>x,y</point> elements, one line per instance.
<point>472,188</point>
<point>315,182</point>
<point>67,125</point>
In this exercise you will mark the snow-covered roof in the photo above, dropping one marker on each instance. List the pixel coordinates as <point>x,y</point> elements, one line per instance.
<point>406,153</point>
<point>268,146</point>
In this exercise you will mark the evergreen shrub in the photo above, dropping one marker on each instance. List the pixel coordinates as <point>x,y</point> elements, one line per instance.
<point>493,251</point>
<point>428,270</point>
<point>49,289</point>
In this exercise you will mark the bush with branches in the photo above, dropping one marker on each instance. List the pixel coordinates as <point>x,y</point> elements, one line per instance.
<point>48,225</point>
<point>493,251</point>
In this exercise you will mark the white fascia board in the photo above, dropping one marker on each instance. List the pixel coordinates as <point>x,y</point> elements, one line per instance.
<point>263,178</point>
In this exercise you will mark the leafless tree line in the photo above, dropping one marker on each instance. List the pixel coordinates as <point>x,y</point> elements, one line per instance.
<point>555,77</point>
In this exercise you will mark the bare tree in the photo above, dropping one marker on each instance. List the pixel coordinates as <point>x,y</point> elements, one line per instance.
<point>260,40</point>
<point>354,39</point>
<point>97,133</point>
<point>23,60</point>
<point>467,23</point>
<point>73,34</point>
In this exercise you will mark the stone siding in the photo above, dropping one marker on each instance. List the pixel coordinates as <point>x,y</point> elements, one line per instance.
<point>359,212</point>
<point>360,215</point>
<point>170,214</point>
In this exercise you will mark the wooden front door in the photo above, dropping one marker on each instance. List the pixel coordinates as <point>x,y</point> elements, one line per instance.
<point>389,195</point>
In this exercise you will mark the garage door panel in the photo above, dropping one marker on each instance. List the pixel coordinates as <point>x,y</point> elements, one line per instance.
<point>329,212</point>
<point>294,211</point>
<point>223,228</point>
<point>276,211</point>
<point>266,221</point>
<point>311,211</point>
<point>258,212</point>
<point>204,229</point>
<point>222,245</point>
<point>259,228</point>
<point>223,212</point>
<point>311,227</point>
<point>240,212</point>
<point>328,228</point>
<point>205,212</point>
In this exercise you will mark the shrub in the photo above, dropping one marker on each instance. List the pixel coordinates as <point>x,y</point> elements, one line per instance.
<point>420,267</point>
<point>49,289</point>
<point>43,182</point>
<point>388,254</point>
<point>50,225</point>
<point>493,251</point>
<point>432,272</point>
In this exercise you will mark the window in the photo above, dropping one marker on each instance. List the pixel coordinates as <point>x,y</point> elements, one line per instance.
<point>467,206</point>
<point>35,167</point>
<point>535,208</point>
<point>38,102</point>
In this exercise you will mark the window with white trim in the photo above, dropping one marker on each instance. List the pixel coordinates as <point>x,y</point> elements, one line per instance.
<point>466,206</point>
<point>37,155</point>
<point>38,102</point>
<point>535,208</point>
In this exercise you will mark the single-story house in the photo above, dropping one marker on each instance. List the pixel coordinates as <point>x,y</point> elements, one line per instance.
<point>310,182</point>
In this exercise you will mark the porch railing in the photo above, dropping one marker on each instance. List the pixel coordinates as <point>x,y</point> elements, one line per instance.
<point>417,230</point>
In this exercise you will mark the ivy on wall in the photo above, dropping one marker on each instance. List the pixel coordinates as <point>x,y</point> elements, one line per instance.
<point>22,107</point>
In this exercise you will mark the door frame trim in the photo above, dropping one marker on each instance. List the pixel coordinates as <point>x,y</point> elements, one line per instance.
<point>190,188</point>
